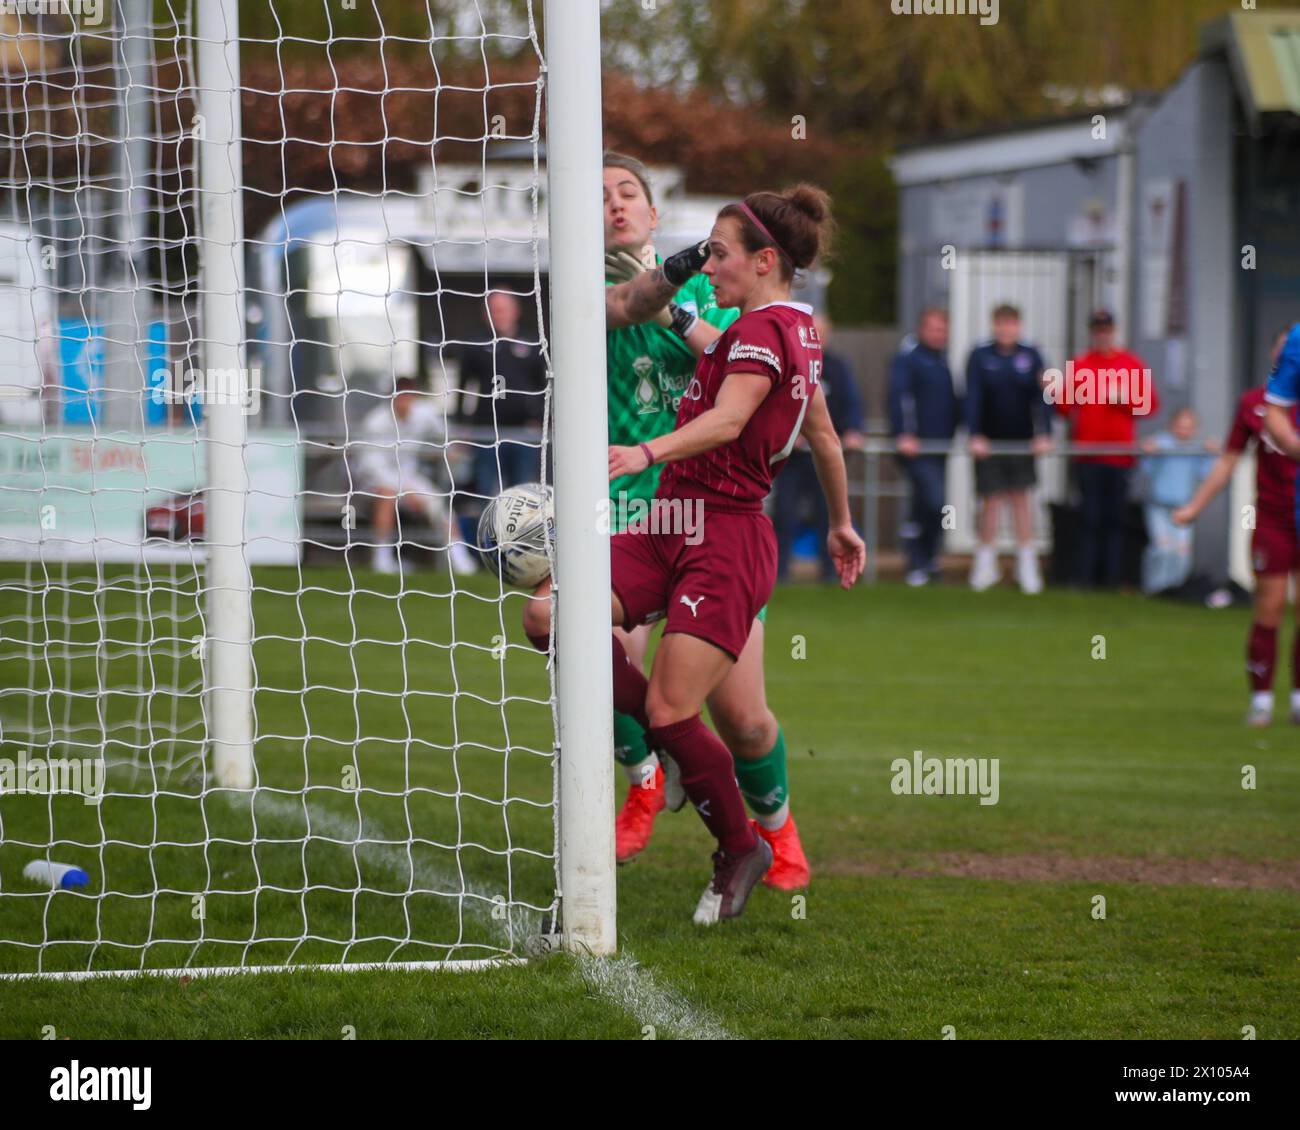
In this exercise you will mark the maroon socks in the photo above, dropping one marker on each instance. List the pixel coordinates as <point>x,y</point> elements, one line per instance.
<point>708,775</point>
<point>1261,657</point>
<point>630,686</point>
<point>709,779</point>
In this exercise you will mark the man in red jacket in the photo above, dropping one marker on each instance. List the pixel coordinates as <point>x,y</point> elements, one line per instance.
<point>1104,391</point>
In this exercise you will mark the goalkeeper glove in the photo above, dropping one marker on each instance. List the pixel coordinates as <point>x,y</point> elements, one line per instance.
<point>681,320</point>
<point>681,267</point>
<point>622,266</point>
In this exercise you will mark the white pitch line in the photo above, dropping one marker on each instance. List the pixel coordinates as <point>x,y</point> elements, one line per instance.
<point>478,905</point>
<point>621,980</point>
<point>634,989</point>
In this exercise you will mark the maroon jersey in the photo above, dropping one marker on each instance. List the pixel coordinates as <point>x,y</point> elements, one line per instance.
<point>779,341</point>
<point>1275,474</point>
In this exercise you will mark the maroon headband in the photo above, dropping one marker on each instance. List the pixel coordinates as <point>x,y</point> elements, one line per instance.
<point>759,224</point>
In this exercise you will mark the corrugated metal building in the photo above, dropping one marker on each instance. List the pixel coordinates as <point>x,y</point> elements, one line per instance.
<point>1179,211</point>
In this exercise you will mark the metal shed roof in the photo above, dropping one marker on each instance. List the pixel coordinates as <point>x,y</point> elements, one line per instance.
<point>1263,50</point>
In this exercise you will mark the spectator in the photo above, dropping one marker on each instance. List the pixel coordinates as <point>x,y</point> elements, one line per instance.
<point>385,463</point>
<point>923,407</point>
<point>1172,481</point>
<point>1109,387</point>
<point>1005,404</point>
<point>797,486</point>
<point>508,382</point>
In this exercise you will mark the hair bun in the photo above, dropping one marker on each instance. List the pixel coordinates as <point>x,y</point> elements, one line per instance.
<point>812,201</point>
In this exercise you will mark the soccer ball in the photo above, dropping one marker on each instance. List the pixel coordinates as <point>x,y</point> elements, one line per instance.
<point>514,532</point>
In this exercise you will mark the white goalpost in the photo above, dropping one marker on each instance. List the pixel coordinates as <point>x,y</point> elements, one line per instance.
<point>247,274</point>
<point>229,675</point>
<point>581,432</point>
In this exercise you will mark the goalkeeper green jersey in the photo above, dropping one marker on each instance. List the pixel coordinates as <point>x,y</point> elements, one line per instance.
<point>649,369</point>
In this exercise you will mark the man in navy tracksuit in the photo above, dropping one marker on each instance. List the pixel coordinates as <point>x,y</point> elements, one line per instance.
<point>1005,404</point>
<point>923,407</point>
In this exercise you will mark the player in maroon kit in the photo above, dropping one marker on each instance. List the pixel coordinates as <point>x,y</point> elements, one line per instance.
<point>754,390</point>
<point>1275,548</point>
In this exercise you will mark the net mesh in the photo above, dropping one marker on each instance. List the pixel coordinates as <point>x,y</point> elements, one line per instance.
<point>403,746</point>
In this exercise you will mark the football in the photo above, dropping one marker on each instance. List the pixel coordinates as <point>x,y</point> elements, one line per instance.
<point>515,532</point>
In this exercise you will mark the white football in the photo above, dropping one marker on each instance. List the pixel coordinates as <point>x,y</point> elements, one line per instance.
<point>514,532</point>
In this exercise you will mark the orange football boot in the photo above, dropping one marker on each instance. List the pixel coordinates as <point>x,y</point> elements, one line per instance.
<point>636,820</point>
<point>789,870</point>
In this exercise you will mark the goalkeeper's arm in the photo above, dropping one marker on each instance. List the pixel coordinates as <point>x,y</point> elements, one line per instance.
<point>648,292</point>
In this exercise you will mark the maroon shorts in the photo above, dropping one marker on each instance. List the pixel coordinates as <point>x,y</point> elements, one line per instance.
<point>711,590</point>
<point>1275,547</point>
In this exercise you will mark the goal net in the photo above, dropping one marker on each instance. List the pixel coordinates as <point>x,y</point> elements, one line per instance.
<point>257,705</point>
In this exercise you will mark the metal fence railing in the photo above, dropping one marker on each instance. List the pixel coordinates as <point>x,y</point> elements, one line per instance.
<point>876,480</point>
<point>878,489</point>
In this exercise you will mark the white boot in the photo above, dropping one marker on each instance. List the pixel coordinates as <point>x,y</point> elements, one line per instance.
<point>385,559</point>
<point>1028,576</point>
<point>984,573</point>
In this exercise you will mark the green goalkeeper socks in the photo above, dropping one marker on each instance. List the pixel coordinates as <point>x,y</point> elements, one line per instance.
<point>630,750</point>
<point>764,785</point>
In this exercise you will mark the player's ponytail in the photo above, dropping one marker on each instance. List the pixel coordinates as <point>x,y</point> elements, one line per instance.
<point>796,222</point>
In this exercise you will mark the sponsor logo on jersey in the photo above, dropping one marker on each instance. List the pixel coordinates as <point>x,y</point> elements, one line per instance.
<point>647,398</point>
<point>692,604</point>
<point>803,334</point>
<point>694,390</point>
<point>647,395</point>
<point>744,351</point>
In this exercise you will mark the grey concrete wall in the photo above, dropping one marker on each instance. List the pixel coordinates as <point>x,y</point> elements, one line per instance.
<point>1052,196</point>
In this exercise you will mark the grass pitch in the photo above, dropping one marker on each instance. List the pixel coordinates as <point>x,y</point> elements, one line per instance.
<point>1119,777</point>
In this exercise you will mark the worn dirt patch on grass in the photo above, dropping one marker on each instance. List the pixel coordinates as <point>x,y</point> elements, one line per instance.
<point>1164,871</point>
